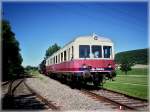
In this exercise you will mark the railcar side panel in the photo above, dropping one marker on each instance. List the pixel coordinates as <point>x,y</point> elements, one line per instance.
<point>76,65</point>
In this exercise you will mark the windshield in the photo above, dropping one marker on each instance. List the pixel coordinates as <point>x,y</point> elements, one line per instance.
<point>96,51</point>
<point>84,51</point>
<point>107,51</point>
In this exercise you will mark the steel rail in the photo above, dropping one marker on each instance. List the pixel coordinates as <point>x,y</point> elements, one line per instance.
<point>120,106</point>
<point>48,103</point>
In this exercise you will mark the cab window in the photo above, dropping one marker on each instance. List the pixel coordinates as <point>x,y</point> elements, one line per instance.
<point>96,51</point>
<point>84,51</point>
<point>107,51</point>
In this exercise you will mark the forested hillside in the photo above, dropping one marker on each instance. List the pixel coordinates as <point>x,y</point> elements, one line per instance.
<point>139,56</point>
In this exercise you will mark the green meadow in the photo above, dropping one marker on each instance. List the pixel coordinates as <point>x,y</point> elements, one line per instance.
<point>135,83</point>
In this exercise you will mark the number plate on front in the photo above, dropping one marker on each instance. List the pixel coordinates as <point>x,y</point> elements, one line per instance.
<point>99,68</point>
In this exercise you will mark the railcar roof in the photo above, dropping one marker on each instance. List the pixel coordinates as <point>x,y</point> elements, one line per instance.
<point>90,38</point>
<point>102,39</point>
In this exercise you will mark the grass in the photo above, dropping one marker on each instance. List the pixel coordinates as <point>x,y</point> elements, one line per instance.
<point>134,71</point>
<point>131,90</point>
<point>35,73</point>
<point>135,83</point>
<point>132,80</point>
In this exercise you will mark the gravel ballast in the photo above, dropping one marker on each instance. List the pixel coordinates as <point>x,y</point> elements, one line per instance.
<point>63,96</point>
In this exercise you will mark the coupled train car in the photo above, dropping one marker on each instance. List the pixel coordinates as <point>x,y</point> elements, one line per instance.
<point>85,59</point>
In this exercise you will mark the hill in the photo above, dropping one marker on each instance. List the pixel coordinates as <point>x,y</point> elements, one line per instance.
<point>139,56</point>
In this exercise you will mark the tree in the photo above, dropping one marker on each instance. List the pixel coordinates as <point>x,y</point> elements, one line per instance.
<point>52,49</point>
<point>126,66</point>
<point>11,57</point>
<point>28,68</point>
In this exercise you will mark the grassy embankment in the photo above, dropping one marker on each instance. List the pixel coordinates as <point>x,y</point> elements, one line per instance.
<point>135,83</point>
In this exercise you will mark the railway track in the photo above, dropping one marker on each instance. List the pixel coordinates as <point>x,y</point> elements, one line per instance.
<point>18,95</point>
<point>118,100</point>
<point>45,101</point>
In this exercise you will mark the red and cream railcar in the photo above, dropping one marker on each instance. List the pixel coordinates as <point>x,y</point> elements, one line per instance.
<point>86,58</point>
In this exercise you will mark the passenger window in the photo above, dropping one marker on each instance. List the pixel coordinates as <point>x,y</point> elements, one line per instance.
<point>64,55</point>
<point>69,54</point>
<point>61,57</point>
<point>72,53</point>
<point>107,51</point>
<point>56,59</point>
<point>84,51</point>
<point>96,51</point>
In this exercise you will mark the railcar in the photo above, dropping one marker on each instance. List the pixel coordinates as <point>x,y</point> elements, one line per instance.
<point>42,67</point>
<point>84,59</point>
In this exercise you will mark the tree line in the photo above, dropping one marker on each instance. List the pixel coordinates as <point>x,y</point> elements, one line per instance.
<point>139,56</point>
<point>11,57</point>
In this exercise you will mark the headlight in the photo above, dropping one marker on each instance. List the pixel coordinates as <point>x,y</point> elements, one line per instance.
<point>93,69</point>
<point>84,66</point>
<point>109,66</point>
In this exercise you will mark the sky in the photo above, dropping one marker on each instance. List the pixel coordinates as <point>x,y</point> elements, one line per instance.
<point>38,25</point>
